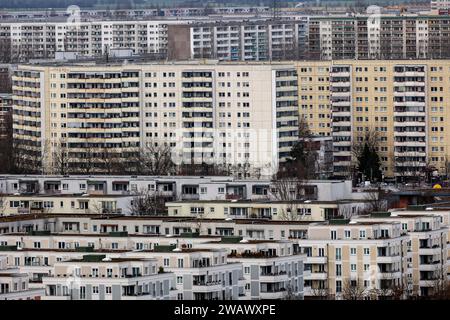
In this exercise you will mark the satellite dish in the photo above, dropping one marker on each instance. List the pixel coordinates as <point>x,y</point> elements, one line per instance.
<point>106,259</point>
<point>168,235</point>
<point>244,241</point>
<point>177,250</point>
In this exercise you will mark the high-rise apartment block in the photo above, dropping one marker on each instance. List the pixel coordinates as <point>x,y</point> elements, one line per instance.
<point>363,36</point>
<point>205,112</point>
<point>238,112</point>
<point>401,102</point>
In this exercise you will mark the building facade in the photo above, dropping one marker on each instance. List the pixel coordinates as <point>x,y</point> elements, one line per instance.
<point>85,117</point>
<point>399,103</point>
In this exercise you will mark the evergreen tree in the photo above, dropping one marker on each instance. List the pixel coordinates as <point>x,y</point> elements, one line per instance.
<point>369,163</point>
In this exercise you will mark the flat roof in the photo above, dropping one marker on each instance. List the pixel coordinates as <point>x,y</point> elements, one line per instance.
<point>110,218</point>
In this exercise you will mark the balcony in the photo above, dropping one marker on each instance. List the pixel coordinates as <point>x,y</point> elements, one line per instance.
<point>56,298</point>
<point>430,266</point>
<point>388,259</point>
<point>186,196</point>
<point>427,283</point>
<point>272,295</point>
<point>317,276</point>
<point>202,286</point>
<point>389,274</point>
<point>316,260</point>
<point>430,251</point>
<point>274,277</point>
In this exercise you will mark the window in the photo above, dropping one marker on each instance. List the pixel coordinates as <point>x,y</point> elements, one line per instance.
<point>179,280</point>
<point>338,270</point>
<point>347,234</point>
<point>362,234</point>
<point>108,290</point>
<point>353,267</point>
<point>82,186</point>
<point>353,251</point>
<point>338,286</point>
<point>109,272</point>
<point>333,234</point>
<point>180,263</point>
<point>366,267</point>
<point>246,270</point>
<point>366,251</point>
<point>37,245</point>
<point>338,253</point>
<point>321,252</point>
<point>166,262</point>
<point>95,290</point>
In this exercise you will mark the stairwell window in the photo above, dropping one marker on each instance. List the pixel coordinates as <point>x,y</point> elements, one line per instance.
<point>338,270</point>
<point>338,254</point>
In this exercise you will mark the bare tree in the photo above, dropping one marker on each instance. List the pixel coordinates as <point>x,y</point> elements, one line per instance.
<point>353,290</point>
<point>147,203</point>
<point>440,286</point>
<point>375,201</point>
<point>155,159</point>
<point>344,211</point>
<point>6,143</point>
<point>112,161</point>
<point>26,158</point>
<point>2,203</point>
<point>60,159</point>
<point>290,294</point>
<point>321,293</point>
<point>290,192</point>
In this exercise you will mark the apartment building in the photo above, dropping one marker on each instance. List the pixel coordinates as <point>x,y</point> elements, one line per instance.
<point>271,269</point>
<point>97,277</point>
<point>36,39</point>
<point>428,248</point>
<point>291,210</point>
<point>247,35</point>
<point>338,37</point>
<point>440,4</point>
<point>14,286</point>
<point>66,204</point>
<point>175,187</point>
<point>234,41</point>
<point>444,215</point>
<point>201,274</point>
<point>400,102</point>
<point>206,112</point>
<point>370,257</point>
